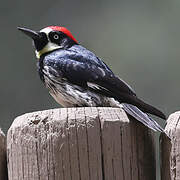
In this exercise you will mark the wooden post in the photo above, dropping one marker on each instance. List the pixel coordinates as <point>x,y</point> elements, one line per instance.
<point>3,162</point>
<point>170,149</point>
<point>80,144</point>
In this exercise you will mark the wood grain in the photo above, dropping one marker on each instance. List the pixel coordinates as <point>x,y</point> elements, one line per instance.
<point>80,144</point>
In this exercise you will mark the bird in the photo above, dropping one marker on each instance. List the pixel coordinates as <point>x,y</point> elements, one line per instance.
<point>76,77</point>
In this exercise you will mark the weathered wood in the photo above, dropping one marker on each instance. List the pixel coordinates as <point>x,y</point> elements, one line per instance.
<point>128,147</point>
<point>3,162</point>
<point>170,149</point>
<point>80,144</point>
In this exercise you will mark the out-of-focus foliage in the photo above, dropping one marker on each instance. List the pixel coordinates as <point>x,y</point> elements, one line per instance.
<point>138,39</point>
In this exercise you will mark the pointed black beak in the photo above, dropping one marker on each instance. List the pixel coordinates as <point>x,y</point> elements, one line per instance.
<point>32,34</point>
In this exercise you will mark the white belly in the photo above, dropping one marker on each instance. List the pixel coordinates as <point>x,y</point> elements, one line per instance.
<point>69,95</point>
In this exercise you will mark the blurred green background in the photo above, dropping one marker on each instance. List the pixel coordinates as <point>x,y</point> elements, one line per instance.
<point>138,39</point>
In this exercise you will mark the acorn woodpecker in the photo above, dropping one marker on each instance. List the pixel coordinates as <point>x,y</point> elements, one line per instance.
<point>76,77</point>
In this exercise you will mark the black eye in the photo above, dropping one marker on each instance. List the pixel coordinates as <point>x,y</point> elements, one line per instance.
<point>56,36</point>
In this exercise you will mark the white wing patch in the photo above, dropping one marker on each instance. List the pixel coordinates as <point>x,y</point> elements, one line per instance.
<point>95,86</point>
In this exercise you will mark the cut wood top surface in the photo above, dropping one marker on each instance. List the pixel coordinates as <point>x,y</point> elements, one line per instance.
<point>60,114</point>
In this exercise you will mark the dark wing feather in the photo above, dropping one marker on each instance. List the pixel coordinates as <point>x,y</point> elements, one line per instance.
<point>89,68</point>
<point>111,85</point>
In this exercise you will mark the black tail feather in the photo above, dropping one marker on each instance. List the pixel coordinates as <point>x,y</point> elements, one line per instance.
<point>144,106</point>
<point>142,117</point>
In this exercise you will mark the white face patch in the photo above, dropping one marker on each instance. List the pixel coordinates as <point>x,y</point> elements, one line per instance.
<point>46,30</point>
<point>49,47</point>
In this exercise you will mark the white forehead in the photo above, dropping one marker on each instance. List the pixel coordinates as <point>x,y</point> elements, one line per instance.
<point>46,30</point>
